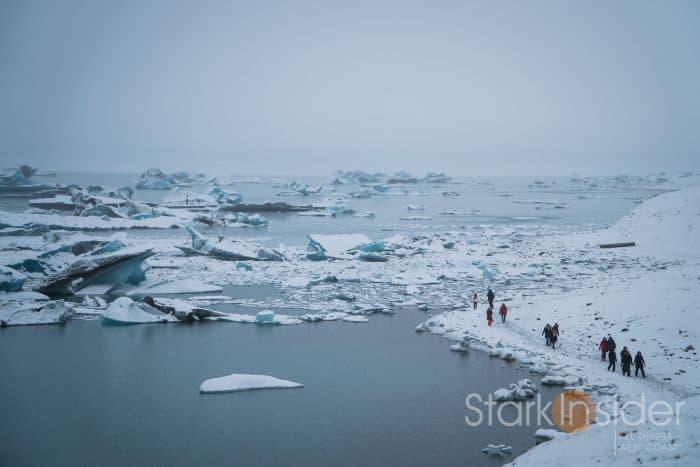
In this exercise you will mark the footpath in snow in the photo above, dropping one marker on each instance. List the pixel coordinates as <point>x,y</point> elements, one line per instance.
<point>654,310</point>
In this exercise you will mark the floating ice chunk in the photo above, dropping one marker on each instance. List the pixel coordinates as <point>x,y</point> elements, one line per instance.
<point>180,286</point>
<point>58,202</point>
<point>10,280</point>
<point>373,247</point>
<point>265,316</point>
<point>497,450</point>
<point>125,311</point>
<point>229,249</point>
<point>558,380</point>
<point>460,347</point>
<point>225,197</point>
<point>240,382</point>
<point>241,266</point>
<point>415,218</point>
<point>252,319</point>
<point>502,394</point>
<point>336,245</point>
<point>520,391</point>
<point>180,309</point>
<point>355,319</point>
<point>28,311</point>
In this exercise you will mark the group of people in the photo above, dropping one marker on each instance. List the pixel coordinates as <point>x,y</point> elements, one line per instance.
<point>608,346</point>
<point>503,311</point>
<point>551,334</point>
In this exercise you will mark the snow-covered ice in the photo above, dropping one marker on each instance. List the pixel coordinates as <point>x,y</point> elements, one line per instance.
<point>242,382</point>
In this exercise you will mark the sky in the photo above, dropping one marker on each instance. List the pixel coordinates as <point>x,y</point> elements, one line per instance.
<point>466,87</point>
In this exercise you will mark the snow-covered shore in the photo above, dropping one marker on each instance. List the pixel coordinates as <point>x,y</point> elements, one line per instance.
<point>654,310</point>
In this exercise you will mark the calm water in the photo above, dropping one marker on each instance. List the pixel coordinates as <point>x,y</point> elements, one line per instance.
<point>375,394</point>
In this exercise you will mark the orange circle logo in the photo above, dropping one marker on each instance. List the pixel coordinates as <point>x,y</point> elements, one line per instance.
<point>573,410</point>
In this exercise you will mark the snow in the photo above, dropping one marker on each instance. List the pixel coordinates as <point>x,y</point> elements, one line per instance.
<point>242,382</point>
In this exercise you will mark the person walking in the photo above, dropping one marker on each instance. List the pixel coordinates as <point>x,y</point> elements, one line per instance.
<point>490,295</point>
<point>489,315</point>
<point>475,300</point>
<point>611,344</point>
<point>603,347</point>
<point>639,365</point>
<point>547,333</point>
<point>612,359</point>
<point>503,311</point>
<point>555,334</point>
<point>626,361</point>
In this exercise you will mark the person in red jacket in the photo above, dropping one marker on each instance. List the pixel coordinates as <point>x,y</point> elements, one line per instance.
<point>603,347</point>
<point>503,311</point>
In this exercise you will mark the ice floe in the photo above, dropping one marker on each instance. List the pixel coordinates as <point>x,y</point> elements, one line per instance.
<point>242,382</point>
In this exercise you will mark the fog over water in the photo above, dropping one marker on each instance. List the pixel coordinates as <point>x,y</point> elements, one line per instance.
<point>472,88</point>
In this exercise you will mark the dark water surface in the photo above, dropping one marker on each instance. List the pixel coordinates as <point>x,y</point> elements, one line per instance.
<point>375,394</point>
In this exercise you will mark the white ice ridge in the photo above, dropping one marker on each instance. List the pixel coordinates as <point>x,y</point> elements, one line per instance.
<point>240,382</point>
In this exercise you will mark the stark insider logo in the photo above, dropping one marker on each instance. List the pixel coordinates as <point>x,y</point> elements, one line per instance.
<point>571,410</point>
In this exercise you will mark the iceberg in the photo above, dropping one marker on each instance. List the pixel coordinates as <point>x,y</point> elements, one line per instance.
<point>10,280</point>
<point>343,177</point>
<point>125,311</point>
<point>265,316</point>
<point>29,310</point>
<point>18,176</point>
<point>98,274</point>
<point>155,179</point>
<point>523,389</point>
<point>334,246</point>
<point>180,309</point>
<point>497,450</point>
<point>228,249</point>
<point>355,319</point>
<point>240,382</point>
<point>225,197</point>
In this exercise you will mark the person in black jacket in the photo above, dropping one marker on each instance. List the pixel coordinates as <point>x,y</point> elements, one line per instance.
<point>490,295</point>
<point>611,344</point>
<point>489,315</point>
<point>639,364</point>
<point>547,333</point>
<point>612,359</point>
<point>626,361</point>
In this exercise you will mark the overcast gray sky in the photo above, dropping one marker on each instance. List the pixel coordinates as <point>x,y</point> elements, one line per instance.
<point>484,88</point>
